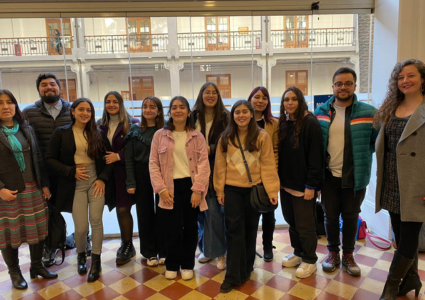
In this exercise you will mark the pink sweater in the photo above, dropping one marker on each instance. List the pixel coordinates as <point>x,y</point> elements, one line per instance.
<point>161,163</point>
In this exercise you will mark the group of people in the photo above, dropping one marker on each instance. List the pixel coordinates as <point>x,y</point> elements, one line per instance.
<point>190,176</point>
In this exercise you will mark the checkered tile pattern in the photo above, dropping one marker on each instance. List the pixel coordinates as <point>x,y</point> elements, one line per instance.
<point>269,281</point>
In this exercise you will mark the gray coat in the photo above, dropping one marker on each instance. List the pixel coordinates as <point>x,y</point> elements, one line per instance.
<point>10,175</point>
<point>410,167</point>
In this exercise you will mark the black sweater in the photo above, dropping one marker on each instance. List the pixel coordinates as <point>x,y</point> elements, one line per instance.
<point>303,166</point>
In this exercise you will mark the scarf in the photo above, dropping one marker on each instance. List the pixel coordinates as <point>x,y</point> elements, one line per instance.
<point>15,144</point>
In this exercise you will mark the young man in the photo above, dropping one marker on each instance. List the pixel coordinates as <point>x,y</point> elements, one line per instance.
<point>349,142</point>
<point>45,115</point>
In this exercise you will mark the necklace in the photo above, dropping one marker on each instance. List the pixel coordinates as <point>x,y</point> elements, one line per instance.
<point>82,143</point>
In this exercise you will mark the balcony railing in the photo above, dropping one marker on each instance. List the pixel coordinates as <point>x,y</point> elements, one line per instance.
<point>120,44</point>
<point>33,46</point>
<point>213,41</point>
<point>323,37</point>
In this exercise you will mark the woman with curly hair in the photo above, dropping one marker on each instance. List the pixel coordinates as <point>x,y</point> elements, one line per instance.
<point>400,162</point>
<point>301,161</point>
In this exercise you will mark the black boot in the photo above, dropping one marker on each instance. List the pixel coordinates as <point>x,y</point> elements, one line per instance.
<point>398,270</point>
<point>37,267</point>
<point>411,281</point>
<point>268,224</point>
<point>125,253</point>
<point>10,257</point>
<point>82,263</point>
<point>95,268</point>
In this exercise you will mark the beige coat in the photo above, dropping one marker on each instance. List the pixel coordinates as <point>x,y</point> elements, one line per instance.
<point>410,167</point>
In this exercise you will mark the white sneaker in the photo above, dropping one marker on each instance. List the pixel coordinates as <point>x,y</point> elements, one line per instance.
<point>305,270</point>
<point>187,274</point>
<point>152,262</point>
<point>162,260</point>
<point>291,260</point>
<point>203,259</point>
<point>221,262</point>
<point>170,274</point>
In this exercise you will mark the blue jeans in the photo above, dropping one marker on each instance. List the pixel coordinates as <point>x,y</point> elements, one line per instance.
<point>211,229</point>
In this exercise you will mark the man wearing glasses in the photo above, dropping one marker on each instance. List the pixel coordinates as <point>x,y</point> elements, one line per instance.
<point>349,142</point>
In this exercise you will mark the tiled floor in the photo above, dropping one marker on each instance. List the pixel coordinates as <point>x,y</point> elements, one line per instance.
<point>268,281</point>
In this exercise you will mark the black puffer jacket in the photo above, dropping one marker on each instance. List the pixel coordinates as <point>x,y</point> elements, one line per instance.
<point>44,124</point>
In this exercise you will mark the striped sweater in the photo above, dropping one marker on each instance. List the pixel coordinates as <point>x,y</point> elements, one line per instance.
<point>230,169</point>
<point>363,137</point>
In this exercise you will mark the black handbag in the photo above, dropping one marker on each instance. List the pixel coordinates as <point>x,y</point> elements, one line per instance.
<point>259,200</point>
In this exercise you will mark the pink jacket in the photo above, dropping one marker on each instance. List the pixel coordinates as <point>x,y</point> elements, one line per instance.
<point>161,163</point>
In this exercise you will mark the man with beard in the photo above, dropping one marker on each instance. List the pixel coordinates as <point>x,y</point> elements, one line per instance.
<point>349,142</point>
<point>45,115</point>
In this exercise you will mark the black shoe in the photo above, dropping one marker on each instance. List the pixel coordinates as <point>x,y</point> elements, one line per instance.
<point>49,257</point>
<point>18,280</point>
<point>268,253</point>
<point>37,268</point>
<point>125,253</point>
<point>411,281</point>
<point>398,269</point>
<point>95,268</point>
<point>226,287</point>
<point>82,263</point>
<point>88,246</point>
<point>11,259</point>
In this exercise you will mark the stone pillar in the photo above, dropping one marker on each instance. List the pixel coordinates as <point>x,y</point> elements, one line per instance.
<point>174,67</point>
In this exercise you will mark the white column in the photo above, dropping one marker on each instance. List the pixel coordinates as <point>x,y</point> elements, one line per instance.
<point>85,80</point>
<point>173,49</point>
<point>174,67</point>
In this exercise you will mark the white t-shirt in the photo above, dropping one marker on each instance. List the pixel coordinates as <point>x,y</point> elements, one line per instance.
<point>181,164</point>
<point>336,142</point>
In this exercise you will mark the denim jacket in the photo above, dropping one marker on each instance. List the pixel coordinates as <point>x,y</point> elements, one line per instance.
<point>161,164</point>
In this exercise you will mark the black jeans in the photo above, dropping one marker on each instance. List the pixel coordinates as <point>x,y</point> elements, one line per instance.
<point>151,226</point>
<point>268,222</point>
<point>181,228</point>
<point>406,235</point>
<point>242,225</point>
<point>337,201</point>
<point>300,214</point>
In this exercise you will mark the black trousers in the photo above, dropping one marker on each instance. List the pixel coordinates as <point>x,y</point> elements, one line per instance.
<point>181,228</point>
<point>242,225</point>
<point>151,227</point>
<point>300,214</point>
<point>337,201</point>
<point>268,222</point>
<point>406,235</point>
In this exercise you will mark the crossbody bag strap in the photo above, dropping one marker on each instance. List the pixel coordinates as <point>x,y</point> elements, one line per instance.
<point>244,160</point>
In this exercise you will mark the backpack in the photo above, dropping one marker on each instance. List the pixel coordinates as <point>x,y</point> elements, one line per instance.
<point>56,231</point>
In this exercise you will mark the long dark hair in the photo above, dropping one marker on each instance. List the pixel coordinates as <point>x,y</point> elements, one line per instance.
<point>267,113</point>
<point>159,120</point>
<point>124,117</point>
<point>229,134</point>
<point>19,116</point>
<point>189,124</point>
<point>394,96</point>
<point>219,109</point>
<point>90,132</point>
<point>299,115</point>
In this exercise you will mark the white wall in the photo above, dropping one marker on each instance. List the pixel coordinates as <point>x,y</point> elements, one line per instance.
<point>10,28</point>
<point>198,23</point>
<point>117,26</point>
<point>318,21</point>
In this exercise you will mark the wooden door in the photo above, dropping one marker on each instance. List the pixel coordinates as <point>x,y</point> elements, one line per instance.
<point>59,38</point>
<point>298,79</point>
<point>224,84</point>
<point>68,91</point>
<point>143,87</point>
<point>295,31</point>
<point>217,33</point>
<point>139,31</point>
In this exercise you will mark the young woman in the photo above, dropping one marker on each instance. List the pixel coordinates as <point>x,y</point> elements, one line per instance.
<point>76,154</point>
<point>300,173</point>
<point>23,193</point>
<point>260,101</point>
<point>233,188</point>
<point>400,165</point>
<point>115,124</point>
<point>137,151</point>
<point>179,170</point>
<point>211,118</point>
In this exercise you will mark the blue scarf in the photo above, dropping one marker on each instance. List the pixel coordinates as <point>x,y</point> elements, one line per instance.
<point>15,144</point>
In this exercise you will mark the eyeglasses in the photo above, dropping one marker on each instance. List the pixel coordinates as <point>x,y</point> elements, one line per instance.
<point>208,93</point>
<point>347,84</point>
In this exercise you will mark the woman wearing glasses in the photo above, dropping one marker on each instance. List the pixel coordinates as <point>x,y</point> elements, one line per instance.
<point>23,193</point>
<point>211,118</point>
